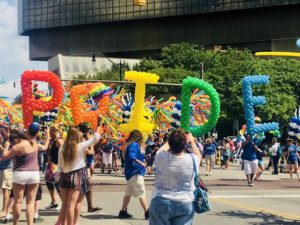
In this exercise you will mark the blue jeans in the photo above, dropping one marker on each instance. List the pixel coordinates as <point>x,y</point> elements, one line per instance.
<point>167,212</point>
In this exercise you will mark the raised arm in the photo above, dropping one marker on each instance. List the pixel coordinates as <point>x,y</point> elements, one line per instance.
<point>9,153</point>
<point>194,148</point>
<point>85,144</point>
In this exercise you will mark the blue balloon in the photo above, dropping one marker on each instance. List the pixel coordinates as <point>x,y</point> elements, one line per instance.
<point>298,43</point>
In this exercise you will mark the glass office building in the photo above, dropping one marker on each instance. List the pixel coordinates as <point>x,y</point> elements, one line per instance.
<point>119,28</point>
<point>39,14</point>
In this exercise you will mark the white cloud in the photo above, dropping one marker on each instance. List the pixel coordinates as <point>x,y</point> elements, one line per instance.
<point>14,49</point>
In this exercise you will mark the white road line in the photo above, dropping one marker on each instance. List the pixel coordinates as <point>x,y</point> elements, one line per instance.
<point>253,196</point>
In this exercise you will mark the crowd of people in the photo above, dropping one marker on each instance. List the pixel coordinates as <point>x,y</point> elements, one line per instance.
<point>69,163</point>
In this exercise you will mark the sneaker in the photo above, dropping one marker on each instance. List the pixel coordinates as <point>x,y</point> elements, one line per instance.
<point>124,214</point>
<point>38,220</point>
<point>147,214</point>
<point>10,220</point>
<point>52,206</point>
<point>58,208</point>
<point>251,184</point>
<point>206,174</point>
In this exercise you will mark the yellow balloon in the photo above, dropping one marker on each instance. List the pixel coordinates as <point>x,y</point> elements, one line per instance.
<point>137,119</point>
<point>286,54</point>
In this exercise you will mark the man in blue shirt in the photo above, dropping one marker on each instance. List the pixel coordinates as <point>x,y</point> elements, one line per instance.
<point>249,159</point>
<point>135,169</point>
<point>209,152</point>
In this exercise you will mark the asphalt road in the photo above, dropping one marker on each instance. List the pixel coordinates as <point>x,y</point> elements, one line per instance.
<point>273,201</point>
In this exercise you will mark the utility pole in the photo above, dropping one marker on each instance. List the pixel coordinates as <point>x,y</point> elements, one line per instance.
<point>202,71</point>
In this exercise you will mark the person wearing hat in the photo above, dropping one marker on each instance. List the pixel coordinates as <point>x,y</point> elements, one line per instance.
<point>292,158</point>
<point>26,176</point>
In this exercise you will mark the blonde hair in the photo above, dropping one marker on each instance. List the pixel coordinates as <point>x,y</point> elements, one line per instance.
<point>70,148</point>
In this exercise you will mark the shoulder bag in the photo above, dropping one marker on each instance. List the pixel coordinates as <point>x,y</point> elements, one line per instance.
<point>201,203</point>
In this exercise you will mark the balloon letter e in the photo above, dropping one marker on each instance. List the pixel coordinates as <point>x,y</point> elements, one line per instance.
<point>251,101</point>
<point>137,119</point>
<point>29,103</point>
<point>187,84</point>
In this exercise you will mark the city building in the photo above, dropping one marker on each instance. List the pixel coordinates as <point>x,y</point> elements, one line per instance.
<point>135,29</point>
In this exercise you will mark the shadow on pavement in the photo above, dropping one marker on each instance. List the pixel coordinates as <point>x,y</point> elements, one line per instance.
<point>267,219</point>
<point>102,216</point>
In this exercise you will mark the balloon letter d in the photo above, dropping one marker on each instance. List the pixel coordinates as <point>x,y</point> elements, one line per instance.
<point>29,103</point>
<point>187,84</point>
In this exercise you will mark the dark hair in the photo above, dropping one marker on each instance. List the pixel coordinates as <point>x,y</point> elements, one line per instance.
<point>15,134</point>
<point>177,141</point>
<point>135,136</point>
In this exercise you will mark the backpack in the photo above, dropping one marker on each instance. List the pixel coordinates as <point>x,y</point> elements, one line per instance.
<point>279,150</point>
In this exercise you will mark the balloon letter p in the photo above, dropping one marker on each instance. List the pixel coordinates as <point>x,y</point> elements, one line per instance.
<point>251,101</point>
<point>29,103</point>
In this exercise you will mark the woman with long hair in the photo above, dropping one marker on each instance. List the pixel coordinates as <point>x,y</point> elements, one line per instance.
<point>74,180</point>
<point>173,194</point>
<point>26,175</point>
<point>135,168</point>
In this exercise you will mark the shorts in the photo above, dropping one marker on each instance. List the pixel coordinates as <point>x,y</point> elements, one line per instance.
<point>107,158</point>
<point>6,179</point>
<point>225,158</point>
<point>261,163</point>
<point>51,186</point>
<point>26,177</point>
<point>210,159</point>
<point>250,167</point>
<point>135,187</point>
<point>77,179</point>
<point>292,162</point>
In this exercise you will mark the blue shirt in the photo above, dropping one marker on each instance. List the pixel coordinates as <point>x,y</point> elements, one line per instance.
<point>292,155</point>
<point>249,152</point>
<point>209,149</point>
<point>5,164</point>
<point>132,168</point>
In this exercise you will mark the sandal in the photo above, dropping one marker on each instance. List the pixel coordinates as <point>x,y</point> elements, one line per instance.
<point>95,209</point>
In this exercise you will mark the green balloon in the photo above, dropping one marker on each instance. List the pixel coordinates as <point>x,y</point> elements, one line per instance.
<point>187,84</point>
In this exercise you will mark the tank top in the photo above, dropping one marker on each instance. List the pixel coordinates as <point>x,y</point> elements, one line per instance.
<point>27,162</point>
<point>53,152</point>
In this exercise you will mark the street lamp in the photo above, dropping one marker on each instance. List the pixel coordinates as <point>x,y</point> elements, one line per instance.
<point>119,64</point>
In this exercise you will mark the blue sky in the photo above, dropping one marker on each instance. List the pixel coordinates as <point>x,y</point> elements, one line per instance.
<point>14,50</point>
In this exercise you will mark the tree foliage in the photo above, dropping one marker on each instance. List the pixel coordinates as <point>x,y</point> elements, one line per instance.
<point>224,70</point>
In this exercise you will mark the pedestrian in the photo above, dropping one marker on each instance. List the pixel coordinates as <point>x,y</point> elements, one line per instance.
<point>260,165</point>
<point>135,168</point>
<point>249,159</point>
<point>74,181</point>
<point>210,155</point>
<point>276,153</point>
<point>6,173</point>
<point>26,174</point>
<point>225,153</point>
<point>107,149</point>
<point>56,142</point>
<point>173,194</point>
<point>292,158</point>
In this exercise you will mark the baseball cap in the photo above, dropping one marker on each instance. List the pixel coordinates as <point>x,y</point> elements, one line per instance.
<point>34,128</point>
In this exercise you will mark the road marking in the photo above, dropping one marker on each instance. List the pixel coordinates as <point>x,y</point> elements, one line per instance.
<point>252,196</point>
<point>252,208</point>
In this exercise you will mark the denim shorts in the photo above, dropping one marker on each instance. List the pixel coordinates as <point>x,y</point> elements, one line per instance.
<point>164,211</point>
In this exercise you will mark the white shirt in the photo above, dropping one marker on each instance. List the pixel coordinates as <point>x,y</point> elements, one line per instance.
<point>80,160</point>
<point>174,177</point>
<point>274,149</point>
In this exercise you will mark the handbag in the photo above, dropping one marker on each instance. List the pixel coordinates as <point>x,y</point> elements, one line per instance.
<point>52,175</point>
<point>201,203</point>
